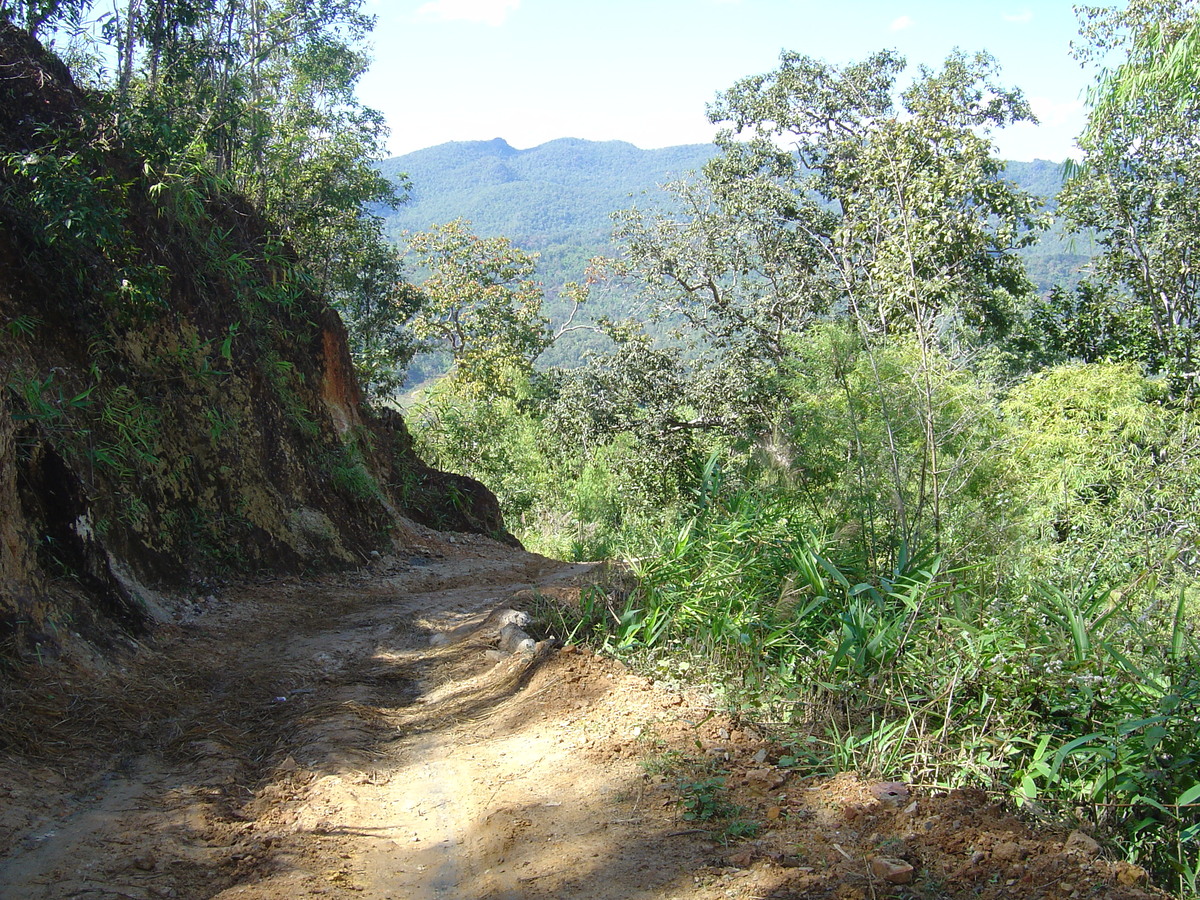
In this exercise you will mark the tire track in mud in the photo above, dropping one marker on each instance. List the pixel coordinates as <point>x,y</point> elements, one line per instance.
<point>410,816</point>
<point>290,670</point>
<point>422,821</point>
<point>440,768</point>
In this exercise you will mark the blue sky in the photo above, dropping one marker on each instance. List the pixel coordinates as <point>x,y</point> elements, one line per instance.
<point>642,71</point>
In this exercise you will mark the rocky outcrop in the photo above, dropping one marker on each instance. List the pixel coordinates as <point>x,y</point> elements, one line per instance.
<point>175,403</point>
<point>441,500</point>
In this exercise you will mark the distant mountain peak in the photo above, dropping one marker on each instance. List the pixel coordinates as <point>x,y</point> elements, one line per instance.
<point>500,145</point>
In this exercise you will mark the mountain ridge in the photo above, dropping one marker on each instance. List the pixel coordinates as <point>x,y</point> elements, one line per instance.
<point>567,185</point>
<point>503,143</point>
<point>557,199</point>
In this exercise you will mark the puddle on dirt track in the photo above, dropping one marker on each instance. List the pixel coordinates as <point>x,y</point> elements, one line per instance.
<point>362,737</point>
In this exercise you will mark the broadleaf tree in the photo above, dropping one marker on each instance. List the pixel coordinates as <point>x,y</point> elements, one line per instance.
<point>260,96</point>
<point>1138,186</point>
<point>36,15</point>
<point>828,199</point>
<point>481,303</point>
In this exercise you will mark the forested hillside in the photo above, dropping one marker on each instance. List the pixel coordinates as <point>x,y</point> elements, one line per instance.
<point>560,192</point>
<point>557,200</point>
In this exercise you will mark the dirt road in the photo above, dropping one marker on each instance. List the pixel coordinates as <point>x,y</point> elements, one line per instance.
<point>362,736</point>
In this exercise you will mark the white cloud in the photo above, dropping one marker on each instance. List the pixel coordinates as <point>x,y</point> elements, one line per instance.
<point>901,23</point>
<point>1060,122</point>
<point>1056,112</point>
<point>487,12</point>
<point>1024,17</point>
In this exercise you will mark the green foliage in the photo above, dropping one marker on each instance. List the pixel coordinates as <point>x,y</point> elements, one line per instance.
<point>747,583</point>
<point>1066,697</point>
<point>481,303</point>
<point>704,800</point>
<point>898,222</point>
<point>62,188</point>
<point>901,215</point>
<point>49,403</point>
<point>630,405</point>
<point>258,99</point>
<point>23,325</point>
<point>68,201</point>
<point>286,381</point>
<point>583,465</point>
<point>1089,323</point>
<point>1125,743</point>
<point>348,470</point>
<point>854,446</point>
<point>1109,479</point>
<point>587,623</point>
<point>1057,686</point>
<point>1137,186</point>
<point>34,15</point>
<point>703,795</point>
<point>489,438</point>
<point>135,426</point>
<point>556,199</point>
<point>838,517</point>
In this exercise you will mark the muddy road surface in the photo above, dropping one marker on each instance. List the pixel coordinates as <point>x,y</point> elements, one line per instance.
<point>368,736</point>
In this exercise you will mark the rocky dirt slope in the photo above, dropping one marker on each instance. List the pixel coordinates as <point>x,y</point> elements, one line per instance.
<point>175,403</point>
<point>364,736</point>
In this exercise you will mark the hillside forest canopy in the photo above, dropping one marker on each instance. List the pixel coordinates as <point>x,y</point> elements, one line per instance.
<point>934,522</point>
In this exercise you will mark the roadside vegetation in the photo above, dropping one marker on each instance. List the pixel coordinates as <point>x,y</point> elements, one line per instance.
<point>877,491</point>
<point>926,523</point>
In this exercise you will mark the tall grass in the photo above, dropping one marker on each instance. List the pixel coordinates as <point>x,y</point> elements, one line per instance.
<point>1061,697</point>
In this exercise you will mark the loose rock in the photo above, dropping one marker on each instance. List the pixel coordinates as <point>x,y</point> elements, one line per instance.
<point>1078,842</point>
<point>893,871</point>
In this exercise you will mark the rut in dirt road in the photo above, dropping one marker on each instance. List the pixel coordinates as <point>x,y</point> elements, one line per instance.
<point>350,736</point>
